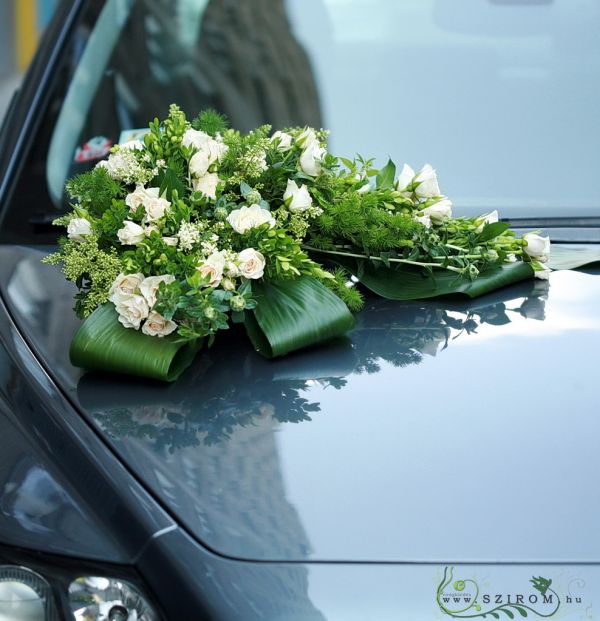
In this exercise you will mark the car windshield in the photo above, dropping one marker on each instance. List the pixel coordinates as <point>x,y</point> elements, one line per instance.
<point>499,95</point>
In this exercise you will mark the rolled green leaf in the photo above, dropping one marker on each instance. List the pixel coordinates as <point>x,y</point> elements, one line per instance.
<point>404,282</point>
<point>293,314</point>
<point>103,344</point>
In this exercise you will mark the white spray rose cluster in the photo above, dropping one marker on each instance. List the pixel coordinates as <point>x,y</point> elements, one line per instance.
<point>222,267</point>
<point>134,297</point>
<point>209,152</point>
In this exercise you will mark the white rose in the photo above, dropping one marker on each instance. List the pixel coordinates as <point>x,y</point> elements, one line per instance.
<point>212,268</point>
<point>207,185</point>
<point>285,141</point>
<point>252,263</point>
<point>440,211</point>
<point>407,174</point>
<point>149,287</point>
<point>427,183</point>
<point>199,163</point>
<point>194,138</point>
<point>170,241</point>
<point>136,198</point>
<point>78,228</point>
<point>155,207</point>
<point>246,218</point>
<point>124,284</point>
<point>537,247</point>
<point>306,137</point>
<point>296,198</point>
<point>157,325</point>
<point>311,158</point>
<point>132,310</point>
<point>216,150</point>
<point>131,233</point>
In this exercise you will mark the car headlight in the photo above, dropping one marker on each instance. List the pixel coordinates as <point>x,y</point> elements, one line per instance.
<point>33,589</point>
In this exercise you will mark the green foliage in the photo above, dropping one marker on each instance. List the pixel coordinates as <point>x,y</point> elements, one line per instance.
<point>93,271</point>
<point>94,190</point>
<point>211,122</point>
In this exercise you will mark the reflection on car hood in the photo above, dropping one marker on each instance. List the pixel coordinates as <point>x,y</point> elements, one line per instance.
<point>437,431</point>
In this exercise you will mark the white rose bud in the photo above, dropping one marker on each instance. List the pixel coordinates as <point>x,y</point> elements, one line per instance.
<point>212,268</point>
<point>251,263</point>
<point>124,284</point>
<point>149,287</point>
<point>207,185</point>
<point>132,310</point>
<point>284,141</point>
<point>296,198</point>
<point>488,218</point>
<point>405,178</point>
<point>131,233</point>
<point>78,228</point>
<point>307,136</point>
<point>228,284</point>
<point>157,325</point>
<point>427,183</point>
<point>246,218</point>
<point>511,258</point>
<point>440,211</point>
<point>311,158</point>
<point>537,247</point>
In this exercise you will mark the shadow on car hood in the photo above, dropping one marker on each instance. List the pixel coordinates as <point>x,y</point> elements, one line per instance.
<point>440,431</point>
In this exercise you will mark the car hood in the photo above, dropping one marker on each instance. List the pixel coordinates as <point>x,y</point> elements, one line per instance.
<point>437,431</point>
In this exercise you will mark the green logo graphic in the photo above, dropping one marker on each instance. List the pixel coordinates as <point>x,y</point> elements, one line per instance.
<point>463,599</point>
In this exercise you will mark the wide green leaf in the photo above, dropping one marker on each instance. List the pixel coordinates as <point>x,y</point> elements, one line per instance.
<point>103,344</point>
<point>293,314</point>
<point>403,282</point>
<point>385,177</point>
<point>491,231</point>
<point>572,256</point>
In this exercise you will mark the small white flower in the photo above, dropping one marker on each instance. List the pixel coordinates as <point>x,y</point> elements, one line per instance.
<point>296,198</point>
<point>78,228</point>
<point>407,174</point>
<point>170,241</point>
<point>157,325</point>
<point>133,145</point>
<point>212,268</point>
<point>189,234</point>
<point>131,233</point>
<point>207,185</point>
<point>246,218</point>
<point>537,247</point>
<point>251,263</point>
<point>149,287</point>
<point>311,158</point>
<point>440,211</point>
<point>285,140</point>
<point>511,258</point>
<point>427,183</point>
<point>132,310</point>
<point>124,284</point>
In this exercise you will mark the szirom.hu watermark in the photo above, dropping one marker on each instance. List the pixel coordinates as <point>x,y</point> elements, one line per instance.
<point>463,599</point>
